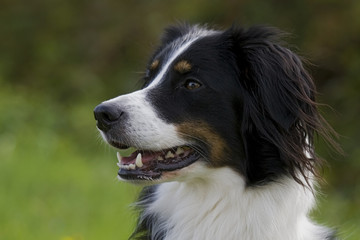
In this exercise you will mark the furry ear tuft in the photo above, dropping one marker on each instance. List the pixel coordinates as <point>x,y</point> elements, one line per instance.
<point>280,111</point>
<point>274,76</point>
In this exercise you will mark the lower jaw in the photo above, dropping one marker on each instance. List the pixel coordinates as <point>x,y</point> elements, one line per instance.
<point>159,172</point>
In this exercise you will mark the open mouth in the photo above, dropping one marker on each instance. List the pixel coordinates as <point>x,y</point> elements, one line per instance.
<point>149,165</point>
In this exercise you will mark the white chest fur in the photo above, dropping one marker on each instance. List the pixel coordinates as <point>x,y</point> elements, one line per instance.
<point>217,205</point>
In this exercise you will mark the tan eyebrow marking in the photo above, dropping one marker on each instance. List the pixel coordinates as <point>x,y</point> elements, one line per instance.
<point>183,66</point>
<point>154,64</point>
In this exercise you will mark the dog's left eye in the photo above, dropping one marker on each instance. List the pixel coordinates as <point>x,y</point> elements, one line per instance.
<point>192,84</point>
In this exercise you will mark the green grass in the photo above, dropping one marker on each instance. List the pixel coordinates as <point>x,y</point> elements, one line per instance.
<point>56,193</point>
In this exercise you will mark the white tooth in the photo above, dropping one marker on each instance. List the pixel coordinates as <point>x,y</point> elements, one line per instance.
<point>179,151</point>
<point>160,158</point>
<point>132,166</point>
<point>125,167</point>
<point>169,155</point>
<point>138,161</point>
<point>119,157</point>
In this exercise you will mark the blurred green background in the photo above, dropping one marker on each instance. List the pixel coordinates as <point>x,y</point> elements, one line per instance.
<point>60,58</point>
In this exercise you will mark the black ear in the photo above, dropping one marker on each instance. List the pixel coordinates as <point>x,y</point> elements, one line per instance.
<point>279,112</point>
<point>273,76</point>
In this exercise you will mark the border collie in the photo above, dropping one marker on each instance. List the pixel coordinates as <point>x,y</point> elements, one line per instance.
<point>223,133</point>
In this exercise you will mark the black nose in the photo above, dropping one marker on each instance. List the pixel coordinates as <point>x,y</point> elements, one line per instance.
<point>106,116</point>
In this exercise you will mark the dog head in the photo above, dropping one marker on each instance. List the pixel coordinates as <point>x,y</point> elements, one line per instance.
<point>211,99</point>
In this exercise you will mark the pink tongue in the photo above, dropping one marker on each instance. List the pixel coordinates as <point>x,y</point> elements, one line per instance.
<point>147,156</point>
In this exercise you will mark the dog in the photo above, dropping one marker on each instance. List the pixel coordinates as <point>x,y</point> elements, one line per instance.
<point>223,132</point>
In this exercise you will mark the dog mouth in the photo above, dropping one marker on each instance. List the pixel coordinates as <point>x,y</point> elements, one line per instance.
<point>150,165</point>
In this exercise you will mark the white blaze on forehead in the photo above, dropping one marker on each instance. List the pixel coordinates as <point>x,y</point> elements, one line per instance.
<point>179,47</point>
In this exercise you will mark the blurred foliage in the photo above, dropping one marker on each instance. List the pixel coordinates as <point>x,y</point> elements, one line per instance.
<point>60,58</point>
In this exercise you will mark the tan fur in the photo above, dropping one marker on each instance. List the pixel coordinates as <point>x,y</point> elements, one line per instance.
<point>154,65</point>
<point>183,66</point>
<point>200,130</point>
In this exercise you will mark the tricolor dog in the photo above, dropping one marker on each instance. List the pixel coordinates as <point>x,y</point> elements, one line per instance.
<point>222,132</point>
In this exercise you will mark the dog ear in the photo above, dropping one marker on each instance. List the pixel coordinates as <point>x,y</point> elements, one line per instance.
<point>279,112</point>
<point>273,76</point>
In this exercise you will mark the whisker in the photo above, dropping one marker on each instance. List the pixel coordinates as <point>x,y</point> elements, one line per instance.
<point>200,151</point>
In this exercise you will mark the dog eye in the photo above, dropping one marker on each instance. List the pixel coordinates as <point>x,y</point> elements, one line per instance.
<point>192,84</point>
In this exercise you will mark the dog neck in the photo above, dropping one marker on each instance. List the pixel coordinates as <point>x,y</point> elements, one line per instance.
<point>217,204</point>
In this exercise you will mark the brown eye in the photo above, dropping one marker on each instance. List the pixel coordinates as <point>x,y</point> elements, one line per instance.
<point>192,84</point>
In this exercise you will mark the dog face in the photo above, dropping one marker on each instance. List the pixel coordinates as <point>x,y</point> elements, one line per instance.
<point>212,99</point>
